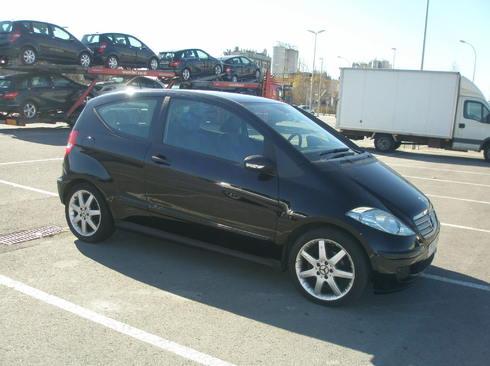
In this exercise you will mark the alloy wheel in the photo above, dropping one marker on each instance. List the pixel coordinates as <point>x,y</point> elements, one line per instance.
<point>84,60</point>
<point>154,64</point>
<point>234,79</point>
<point>29,56</point>
<point>29,110</point>
<point>112,62</point>
<point>186,74</point>
<point>84,213</point>
<point>217,70</point>
<point>325,269</point>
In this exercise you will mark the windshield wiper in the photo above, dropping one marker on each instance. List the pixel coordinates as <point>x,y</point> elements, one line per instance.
<point>333,151</point>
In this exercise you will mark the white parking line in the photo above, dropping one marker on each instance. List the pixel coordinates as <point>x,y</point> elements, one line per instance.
<point>448,181</point>
<point>164,344</point>
<point>30,161</point>
<point>28,188</point>
<point>456,282</point>
<point>457,198</point>
<point>437,169</point>
<point>465,227</point>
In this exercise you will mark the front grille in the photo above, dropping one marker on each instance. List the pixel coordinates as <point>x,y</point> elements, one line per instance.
<point>426,222</point>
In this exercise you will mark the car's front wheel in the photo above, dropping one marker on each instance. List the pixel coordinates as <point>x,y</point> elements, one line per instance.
<point>112,62</point>
<point>29,110</point>
<point>153,64</point>
<point>329,267</point>
<point>218,70</point>
<point>186,74</point>
<point>84,60</point>
<point>28,56</point>
<point>87,214</point>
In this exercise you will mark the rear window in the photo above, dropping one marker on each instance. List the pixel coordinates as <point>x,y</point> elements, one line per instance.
<point>91,38</point>
<point>5,27</point>
<point>131,117</point>
<point>5,84</point>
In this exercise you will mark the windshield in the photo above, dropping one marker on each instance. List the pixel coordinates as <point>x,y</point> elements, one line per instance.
<point>5,27</point>
<point>302,133</point>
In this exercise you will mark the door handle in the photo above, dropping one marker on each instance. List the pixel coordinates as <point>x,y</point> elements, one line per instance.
<point>159,159</point>
<point>462,125</point>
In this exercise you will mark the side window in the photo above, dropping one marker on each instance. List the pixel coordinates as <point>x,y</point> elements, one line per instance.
<point>188,54</point>
<point>60,82</point>
<point>202,55</point>
<point>60,33</point>
<point>40,82</point>
<point>486,115</point>
<point>148,83</point>
<point>120,39</point>
<point>131,117</point>
<point>245,60</point>
<point>134,42</point>
<point>23,84</point>
<point>40,28</point>
<point>212,130</point>
<point>473,110</point>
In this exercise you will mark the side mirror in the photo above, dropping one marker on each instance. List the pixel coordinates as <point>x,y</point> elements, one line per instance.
<point>260,164</point>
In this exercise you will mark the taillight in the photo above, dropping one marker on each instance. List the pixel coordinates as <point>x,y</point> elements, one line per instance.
<point>102,47</point>
<point>174,64</point>
<point>14,36</point>
<point>228,70</point>
<point>72,140</point>
<point>10,95</point>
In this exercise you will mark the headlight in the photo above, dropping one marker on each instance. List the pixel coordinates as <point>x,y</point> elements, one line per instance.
<point>380,220</point>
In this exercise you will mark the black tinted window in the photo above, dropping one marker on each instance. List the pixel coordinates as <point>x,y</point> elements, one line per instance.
<point>40,82</point>
<point>212,130</point>
<point>59,81</point>
<point>132,117</point>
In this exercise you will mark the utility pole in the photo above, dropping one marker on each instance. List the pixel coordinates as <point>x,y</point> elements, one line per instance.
<point>425,35</point>
<point>320,84</point>
<point>474,54</point>
<point>315,33</point>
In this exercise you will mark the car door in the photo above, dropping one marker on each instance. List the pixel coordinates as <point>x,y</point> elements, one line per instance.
<point>204,62</point>
<point>247,67</point>
<point>473,126</point>
<point>64,45</point>
<point>140,53</point>
<point>41,92</point>
<point>123,51</point>
<point>196,173</point>
<point>42,40</point>
<point>237,67</point>
<point>192,62</point>
<point>65,91</point>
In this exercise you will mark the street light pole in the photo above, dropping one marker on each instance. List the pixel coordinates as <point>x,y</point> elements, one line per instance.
<point>320,83</point>
<point>316,33</point>
<point>394,57</point>
<point>343,58</point>
<point>474,53</point>
<point>425,35</point>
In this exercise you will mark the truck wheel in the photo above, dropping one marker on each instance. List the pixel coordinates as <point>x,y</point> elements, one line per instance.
<point>384,143</point>
<point>486,152</point>
<point>397,145</point>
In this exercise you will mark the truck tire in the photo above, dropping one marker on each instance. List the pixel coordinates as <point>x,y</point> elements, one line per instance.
<point>486,152</point>
<point>384,143</point>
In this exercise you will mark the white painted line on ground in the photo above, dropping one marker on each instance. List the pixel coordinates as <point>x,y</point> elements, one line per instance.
<point>28,188</point>
<point>438,169</point>
<point>465,227</point>
<point>457,198</point>
<point>164,344</point>
<point>456,282</point>
<point>448,181</point>
<point>30,161</point>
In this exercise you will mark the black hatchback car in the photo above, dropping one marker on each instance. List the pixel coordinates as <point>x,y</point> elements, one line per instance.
<point>190,63</point>
<point>247,173</point>
<point>118,49</point>
<point>238,68</point>
<point>32,94</point>
<point>29,41</point>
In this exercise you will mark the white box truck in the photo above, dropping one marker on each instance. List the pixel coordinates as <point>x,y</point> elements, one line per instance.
<point>434,108</point>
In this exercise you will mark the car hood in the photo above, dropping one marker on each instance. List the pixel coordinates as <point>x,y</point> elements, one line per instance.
<point>371,183</point>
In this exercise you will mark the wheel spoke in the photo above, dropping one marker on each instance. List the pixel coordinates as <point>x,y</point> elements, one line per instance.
<point>75,208</point>
<point>322,254</point>
<point>91,224</point>
<point>94,212</point>
<point>89,201</point>
<point>308,273</point>
<point>309,258</point>
<point>337,257</point>
<point>333,285</point>
<point>80,199</point>
<point>342,274</point>
<point>77,219</point>
<point>319,285</point>
<point>84,227</point>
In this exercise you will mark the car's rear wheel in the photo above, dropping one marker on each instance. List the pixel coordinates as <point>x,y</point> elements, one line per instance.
<point>153,64</point>
<point>28,56</point>
<point>257,75</point>
<point>384,143</point>
<point>29,110</point>
<point>186,74</point>
<point>218,70</point>
<point>87,214</point>
<point>234,78</point>
<point>486,152</point>
<point>112,62</point>
<point>84,59</point>
<point>329,267</point>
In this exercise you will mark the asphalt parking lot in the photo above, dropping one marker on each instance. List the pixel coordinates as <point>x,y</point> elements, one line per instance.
<point>138,300</point>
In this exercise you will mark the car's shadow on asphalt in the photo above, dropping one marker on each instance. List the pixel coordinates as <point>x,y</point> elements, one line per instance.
<point>55,136</point>
<point>429,323</point>
<point>433,158</point>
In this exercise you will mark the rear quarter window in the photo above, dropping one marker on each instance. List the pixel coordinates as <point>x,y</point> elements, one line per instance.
<point>5,27</point>
<point>130,117</point>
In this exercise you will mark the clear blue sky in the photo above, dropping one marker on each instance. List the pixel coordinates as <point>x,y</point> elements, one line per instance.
<point>358,30</point>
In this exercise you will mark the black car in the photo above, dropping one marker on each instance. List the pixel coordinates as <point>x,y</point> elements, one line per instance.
<point>32,94</point>
<point>118,49</point>
<point>238,68</point>
<point>29,41</point>
<point>119,83</point>
<point>246,173</point>
<point>190,63</point>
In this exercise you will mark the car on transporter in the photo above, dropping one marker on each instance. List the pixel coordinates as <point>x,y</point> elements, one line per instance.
<point>250,174</point>
<point>190,63</point>
<point>30,41</point>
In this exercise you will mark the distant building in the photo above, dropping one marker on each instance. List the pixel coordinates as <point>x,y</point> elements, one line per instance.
<point>260,58</point>
<point>284,59</point>
<point>373,64</point>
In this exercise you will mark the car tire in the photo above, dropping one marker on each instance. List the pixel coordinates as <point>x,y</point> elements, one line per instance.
<point>257,75</point>
<point>87,214</point>
<point>112,62</point>
<point>397,145</point>
<point>153,64</point>
<point>384,143</point>
<point>28,56</point>
<point>337,275</point>
<point>29,110</point>
<point>486,152</point>
<point>186,74</point>
<point>218,70</point>
<point>84,59</point>
<point>234,79</point>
